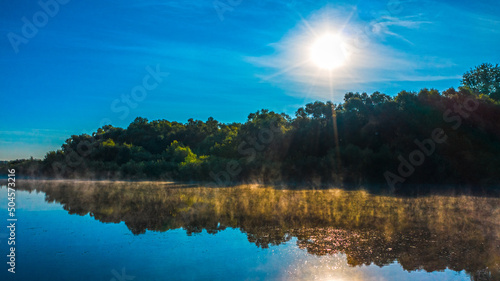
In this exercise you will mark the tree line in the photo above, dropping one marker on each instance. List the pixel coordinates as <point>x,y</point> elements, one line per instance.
<point>414,138</point>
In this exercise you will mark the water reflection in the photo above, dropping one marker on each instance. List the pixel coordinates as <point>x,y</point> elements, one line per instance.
<point>430,233</point>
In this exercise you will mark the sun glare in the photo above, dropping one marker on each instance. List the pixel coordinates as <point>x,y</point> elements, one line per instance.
<point>329,52</point>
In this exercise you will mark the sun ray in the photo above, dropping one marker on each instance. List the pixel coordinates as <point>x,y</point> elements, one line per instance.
<point>313,85</point>
<point>285,70</point>
<point>307,25</point>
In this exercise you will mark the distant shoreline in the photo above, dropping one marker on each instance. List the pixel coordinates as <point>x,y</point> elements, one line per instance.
<point>99,180</point>
<point>375,189</point>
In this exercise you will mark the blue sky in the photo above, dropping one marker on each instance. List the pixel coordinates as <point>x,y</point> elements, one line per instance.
<point>80,67</point>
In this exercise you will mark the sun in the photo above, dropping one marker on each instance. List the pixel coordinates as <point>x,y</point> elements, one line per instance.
<point>329,52</point>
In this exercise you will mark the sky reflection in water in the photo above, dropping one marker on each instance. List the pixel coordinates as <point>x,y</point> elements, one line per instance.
<point>165,232</point>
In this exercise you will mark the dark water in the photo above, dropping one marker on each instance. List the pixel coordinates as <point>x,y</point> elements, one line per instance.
<point>147,231</point>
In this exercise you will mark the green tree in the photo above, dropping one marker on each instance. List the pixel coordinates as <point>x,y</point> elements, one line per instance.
<point>484,79</point>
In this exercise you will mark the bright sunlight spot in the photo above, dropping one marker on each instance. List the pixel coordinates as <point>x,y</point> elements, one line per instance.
<point>329,52</point>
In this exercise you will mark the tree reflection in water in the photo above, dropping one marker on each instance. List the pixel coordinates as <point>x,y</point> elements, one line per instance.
<point>431,233</point>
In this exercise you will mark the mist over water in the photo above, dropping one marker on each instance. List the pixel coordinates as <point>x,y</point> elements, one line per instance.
<point>88,230</point>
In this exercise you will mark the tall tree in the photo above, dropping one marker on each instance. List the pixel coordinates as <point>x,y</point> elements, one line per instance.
<point>484,79</point>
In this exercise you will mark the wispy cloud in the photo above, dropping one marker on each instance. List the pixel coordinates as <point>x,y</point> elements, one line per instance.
<point>290,66</point>
<point>33,134</point>
<point>30,142</point>
<point>385,25</point>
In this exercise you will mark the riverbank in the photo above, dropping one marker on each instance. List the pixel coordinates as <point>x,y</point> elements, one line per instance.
<point>409,191</point>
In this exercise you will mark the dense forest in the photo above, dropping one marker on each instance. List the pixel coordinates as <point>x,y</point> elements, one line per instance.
<point>414,138</point>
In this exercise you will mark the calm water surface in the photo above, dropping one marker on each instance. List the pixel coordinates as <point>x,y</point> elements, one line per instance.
<point>151,231</point>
